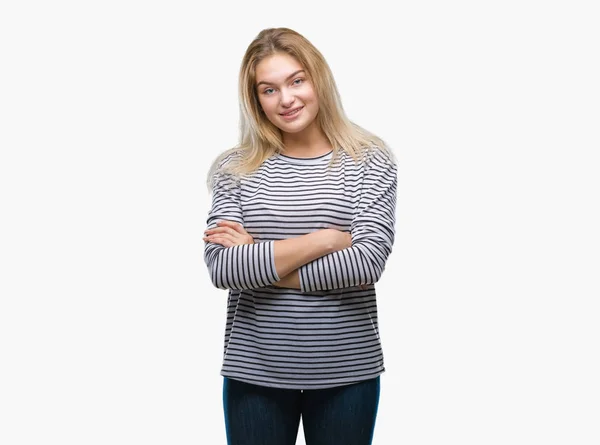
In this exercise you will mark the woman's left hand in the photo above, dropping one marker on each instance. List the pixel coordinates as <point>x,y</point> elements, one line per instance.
<point>228,234</point>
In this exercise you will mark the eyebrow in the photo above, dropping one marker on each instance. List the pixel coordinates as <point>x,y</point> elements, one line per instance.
<point>287,78</point>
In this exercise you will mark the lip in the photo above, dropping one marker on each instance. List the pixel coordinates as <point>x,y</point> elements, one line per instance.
<point>293,116</point>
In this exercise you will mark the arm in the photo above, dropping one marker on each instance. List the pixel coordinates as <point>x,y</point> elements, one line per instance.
<point>291,280</point>
<point>372,230</point>
<point>250,266</point>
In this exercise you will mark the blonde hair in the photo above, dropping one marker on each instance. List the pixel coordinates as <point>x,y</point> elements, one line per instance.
<point>259,139</point>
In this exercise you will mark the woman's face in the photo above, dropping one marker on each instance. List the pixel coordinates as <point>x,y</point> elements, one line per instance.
<point>282,86</point>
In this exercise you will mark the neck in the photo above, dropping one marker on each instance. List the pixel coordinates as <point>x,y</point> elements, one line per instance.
<point>309,142</point>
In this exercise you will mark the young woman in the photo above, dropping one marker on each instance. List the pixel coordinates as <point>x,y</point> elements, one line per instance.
<point>300,229</point>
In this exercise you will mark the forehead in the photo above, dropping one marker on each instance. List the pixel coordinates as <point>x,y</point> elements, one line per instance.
<point>276,68</point>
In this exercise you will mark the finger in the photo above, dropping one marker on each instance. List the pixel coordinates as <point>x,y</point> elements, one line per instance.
<point>226,243</point>
<point>224,239</point>
<point>226,231</point>
<point>234,225</point>
<point>217,240</point>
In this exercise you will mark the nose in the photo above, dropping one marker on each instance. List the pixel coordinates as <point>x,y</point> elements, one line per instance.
<point>287,97</point>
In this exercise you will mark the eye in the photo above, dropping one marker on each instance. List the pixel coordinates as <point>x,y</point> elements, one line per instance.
<point>267,91</point>
<point>301,80</point>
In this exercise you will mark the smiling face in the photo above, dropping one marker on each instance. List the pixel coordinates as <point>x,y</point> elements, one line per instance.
<point>282,87</point>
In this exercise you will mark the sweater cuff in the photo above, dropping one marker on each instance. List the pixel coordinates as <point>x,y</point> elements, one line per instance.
<point>271,250</point>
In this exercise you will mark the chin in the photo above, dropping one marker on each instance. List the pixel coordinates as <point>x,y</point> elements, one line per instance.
<point>292,130</point>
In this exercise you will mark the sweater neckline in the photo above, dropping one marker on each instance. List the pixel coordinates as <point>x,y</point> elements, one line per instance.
<point>313,160</point>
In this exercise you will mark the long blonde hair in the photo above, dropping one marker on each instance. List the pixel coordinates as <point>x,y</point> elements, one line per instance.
<point>259,139</point>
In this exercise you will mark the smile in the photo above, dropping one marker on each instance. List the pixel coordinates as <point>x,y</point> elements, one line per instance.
<point>292,114</point>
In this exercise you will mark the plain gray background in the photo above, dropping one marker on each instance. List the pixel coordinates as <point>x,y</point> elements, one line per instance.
<point>110,330</point>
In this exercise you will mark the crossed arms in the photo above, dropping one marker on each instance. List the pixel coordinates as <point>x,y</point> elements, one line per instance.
<point>315,261</point>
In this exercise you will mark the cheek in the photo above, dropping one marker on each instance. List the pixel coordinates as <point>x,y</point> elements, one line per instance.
<point>309,97</point>
<point>312,104</point>
<point>267,106</point>
<point>261,104</point>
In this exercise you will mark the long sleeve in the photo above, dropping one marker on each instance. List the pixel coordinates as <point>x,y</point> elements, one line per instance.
<point>247,266</point>
<point>372,229</point>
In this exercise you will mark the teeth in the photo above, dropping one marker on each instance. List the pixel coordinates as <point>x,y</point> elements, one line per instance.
<point>291,112</point>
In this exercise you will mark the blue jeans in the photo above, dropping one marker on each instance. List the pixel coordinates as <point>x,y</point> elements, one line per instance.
<point>259,415</point>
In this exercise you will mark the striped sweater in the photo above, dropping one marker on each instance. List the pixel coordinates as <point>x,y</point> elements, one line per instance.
<point>326,333</point>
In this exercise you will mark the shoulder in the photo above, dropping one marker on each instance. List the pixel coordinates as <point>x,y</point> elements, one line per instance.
<point>375,156</point>
<point>229,158</point>
<point>222,171</point>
